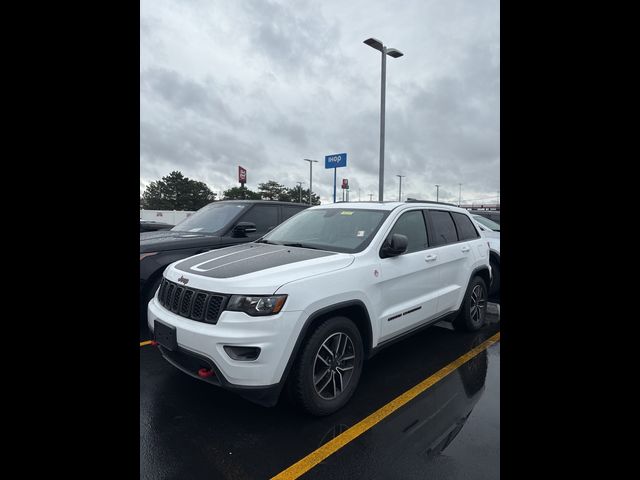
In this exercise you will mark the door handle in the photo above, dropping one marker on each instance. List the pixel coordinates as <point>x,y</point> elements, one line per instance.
<point>430,258</point>
<point>465,249</point>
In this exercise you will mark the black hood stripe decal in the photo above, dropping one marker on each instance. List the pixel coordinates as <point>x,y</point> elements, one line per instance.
<point>218,257</point>
<point>245,259</point>
<point>199,269</point>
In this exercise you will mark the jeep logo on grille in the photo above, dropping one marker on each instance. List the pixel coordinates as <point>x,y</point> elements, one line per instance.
<point>183,280</point>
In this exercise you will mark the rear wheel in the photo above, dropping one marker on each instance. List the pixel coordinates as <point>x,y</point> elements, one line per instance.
<point>328,369</point>
<point>473,311</point>
<point>494,290</point>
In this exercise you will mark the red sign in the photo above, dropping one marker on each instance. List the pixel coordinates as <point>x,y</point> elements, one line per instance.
<point>345,183</point>
<point>242,175</point>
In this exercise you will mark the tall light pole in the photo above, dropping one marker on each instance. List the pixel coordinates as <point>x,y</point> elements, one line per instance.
<point>400,187</point>
<point>437,193</point>
<point>392,52</point>
<point>300,190</point>
<point>311,162</point>
<point>460,195</point>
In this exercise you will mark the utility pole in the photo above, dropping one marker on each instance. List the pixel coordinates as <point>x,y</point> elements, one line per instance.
<point>311,162</point>
<point>394,53</point>
<point>437,192</point>
<point>400,187</point>
<point>460,195</point>
<point>300,190</point>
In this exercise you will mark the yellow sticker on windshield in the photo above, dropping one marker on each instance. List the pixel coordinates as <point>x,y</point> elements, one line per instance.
<point>345,212</point>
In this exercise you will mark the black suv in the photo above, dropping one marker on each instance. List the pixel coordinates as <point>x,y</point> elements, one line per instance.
<point>151,226</point>
<point>219,224</point>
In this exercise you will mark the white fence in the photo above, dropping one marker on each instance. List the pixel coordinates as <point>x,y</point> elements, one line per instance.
<point>172,217</point>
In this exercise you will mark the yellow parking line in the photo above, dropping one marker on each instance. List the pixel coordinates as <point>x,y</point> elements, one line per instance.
<point>148,342</point>
<point>307,463</point>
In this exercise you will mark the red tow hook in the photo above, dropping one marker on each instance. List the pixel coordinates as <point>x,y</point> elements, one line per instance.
<point>204,373</point>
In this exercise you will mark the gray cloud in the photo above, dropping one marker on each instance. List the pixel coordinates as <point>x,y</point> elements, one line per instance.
<point>264,85</point>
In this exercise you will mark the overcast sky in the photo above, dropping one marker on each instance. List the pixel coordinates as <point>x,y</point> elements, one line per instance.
<point>265,84</point>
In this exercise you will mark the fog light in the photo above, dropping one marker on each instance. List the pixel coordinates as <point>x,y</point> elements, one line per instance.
<point>242,353</point>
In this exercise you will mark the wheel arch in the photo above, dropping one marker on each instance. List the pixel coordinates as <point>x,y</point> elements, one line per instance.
<point>355,310</point>
<point>482,272</point>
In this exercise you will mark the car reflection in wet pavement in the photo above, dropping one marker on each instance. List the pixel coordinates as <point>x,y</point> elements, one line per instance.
<point>189,429</point>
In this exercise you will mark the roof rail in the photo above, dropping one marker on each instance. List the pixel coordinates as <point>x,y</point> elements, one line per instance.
<point>415,200</point>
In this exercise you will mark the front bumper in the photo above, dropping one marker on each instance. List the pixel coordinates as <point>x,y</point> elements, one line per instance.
<point>202,345</point>
<point>190,363</point>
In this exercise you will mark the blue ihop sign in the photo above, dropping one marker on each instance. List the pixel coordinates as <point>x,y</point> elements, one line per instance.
<point>336,160</point>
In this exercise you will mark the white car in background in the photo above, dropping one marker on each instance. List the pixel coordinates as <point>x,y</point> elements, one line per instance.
<point>491,231</point>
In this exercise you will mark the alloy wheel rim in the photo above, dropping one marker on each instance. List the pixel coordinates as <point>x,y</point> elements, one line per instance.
<point>334,365</point>
<point>478,304</point>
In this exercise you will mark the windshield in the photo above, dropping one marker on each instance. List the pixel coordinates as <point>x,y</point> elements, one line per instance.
<point>490,224</point>
<point>211,218</point>
<point>334,229</point>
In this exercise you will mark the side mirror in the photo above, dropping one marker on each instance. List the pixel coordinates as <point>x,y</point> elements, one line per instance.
<point>242,228</point>
<point>395,246</point>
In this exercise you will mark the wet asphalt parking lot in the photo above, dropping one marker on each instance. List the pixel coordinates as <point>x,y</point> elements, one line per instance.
<point>190,429</point>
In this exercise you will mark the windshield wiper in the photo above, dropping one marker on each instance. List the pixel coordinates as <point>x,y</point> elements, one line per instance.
<point>268,241</point>
<point>292,244</point>
<point>298,244</point>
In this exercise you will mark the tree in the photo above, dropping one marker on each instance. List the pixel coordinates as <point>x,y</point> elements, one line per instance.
<point>272,190</point>
<point>294,194</point>
<point>238,193</point>
<point>315,199</point>
<point>176,192</point>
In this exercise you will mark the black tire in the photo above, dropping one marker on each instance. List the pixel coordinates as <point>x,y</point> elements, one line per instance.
<point>467,320</point>
<point>307,368</point>
<point>494,290</point>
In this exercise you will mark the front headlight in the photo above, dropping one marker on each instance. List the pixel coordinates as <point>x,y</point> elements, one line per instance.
<point>256,306</point>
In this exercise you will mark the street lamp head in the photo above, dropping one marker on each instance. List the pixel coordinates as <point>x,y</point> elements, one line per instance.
<point>374,43</point>
<point>309,160</point>
<point>394,52</point>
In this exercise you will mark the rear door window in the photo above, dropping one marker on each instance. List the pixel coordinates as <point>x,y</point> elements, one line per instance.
<point>444,230</point>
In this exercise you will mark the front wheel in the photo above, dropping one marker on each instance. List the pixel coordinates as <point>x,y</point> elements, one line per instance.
<point>473,311</point>
<point>328,369</point>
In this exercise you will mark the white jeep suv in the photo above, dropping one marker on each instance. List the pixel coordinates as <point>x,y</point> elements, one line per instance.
<point>311,300</point>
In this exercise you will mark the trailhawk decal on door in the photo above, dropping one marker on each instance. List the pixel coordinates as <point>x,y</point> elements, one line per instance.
<point>246,258</point>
